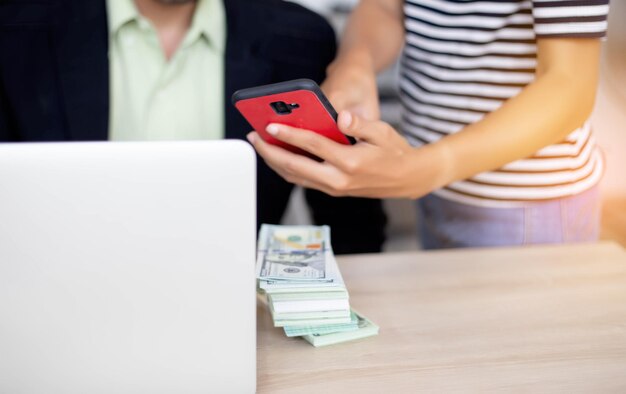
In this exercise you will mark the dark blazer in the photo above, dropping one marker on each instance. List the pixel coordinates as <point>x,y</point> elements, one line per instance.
<point>54,86</point>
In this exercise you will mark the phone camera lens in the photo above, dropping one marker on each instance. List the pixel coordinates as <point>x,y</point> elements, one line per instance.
<point>282,108</point>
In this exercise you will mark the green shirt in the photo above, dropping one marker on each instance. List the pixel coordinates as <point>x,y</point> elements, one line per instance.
<point>156,99</point>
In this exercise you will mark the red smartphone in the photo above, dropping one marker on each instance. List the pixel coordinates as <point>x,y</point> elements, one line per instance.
<point>299,103</point>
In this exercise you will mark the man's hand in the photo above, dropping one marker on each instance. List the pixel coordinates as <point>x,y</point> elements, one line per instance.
<point>372,41</point>
<point>351,86</point>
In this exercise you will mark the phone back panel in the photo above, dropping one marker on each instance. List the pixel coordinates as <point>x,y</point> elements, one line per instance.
<point>311,114</point>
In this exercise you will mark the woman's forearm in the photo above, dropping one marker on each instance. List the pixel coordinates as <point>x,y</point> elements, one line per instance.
<point>558,101</point>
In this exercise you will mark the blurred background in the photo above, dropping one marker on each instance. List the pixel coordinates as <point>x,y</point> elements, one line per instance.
<point>608,119</point>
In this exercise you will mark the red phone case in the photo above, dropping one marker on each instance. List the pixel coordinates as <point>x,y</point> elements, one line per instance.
<point>313,111</point>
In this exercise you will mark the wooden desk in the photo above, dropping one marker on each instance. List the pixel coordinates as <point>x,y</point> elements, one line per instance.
<point>532,319</point>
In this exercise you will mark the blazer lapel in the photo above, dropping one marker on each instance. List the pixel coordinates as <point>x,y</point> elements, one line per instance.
<point>82,53</point>
<point>243,67</point>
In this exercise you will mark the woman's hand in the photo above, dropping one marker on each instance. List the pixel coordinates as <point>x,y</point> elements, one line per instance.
<point>380,164</point>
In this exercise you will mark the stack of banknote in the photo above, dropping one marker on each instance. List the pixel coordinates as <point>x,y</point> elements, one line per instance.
<point>306,295</point>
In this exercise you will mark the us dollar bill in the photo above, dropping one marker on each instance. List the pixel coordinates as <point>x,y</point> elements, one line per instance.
<point>293,253</point>
<point>296,257</point>
<point>365,328</point>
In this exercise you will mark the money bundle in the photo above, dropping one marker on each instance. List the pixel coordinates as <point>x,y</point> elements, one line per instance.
<point>306,295</point>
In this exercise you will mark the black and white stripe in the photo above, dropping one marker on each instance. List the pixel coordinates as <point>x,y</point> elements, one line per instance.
<point>464,58</point>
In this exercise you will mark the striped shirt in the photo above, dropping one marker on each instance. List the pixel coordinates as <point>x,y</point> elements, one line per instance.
<point>464,58</point>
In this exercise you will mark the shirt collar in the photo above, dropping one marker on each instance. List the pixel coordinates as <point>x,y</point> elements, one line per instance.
<point>119,13</point>
<point>209,21</point>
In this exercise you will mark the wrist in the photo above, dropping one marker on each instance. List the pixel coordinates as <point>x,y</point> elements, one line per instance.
<point>351,84</point>
<point>431,168</point>
<point>355,62</point>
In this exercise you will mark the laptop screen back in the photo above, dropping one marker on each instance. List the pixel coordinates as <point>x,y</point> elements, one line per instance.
<point>127,267</point>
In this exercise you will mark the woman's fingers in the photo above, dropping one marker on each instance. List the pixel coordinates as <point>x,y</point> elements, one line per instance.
<point>296,168</point>
<point>319,145</point>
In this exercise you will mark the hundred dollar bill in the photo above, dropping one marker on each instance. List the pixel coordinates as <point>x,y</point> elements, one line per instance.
<point>287,238</point>
<point>300,318</point>
<point>294,253</point>
<point>300,296</point>
<point>296,257</point>
<point>311,322</point>
<point>365,329</point>
<point>295,331</point>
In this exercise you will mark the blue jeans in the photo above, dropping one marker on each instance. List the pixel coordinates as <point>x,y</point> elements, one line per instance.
<point>448,224</point>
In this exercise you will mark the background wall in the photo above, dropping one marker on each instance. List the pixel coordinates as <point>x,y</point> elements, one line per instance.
<point>609,121</point>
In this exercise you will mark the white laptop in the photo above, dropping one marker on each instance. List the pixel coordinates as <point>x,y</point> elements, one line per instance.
<point>127,268</point>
